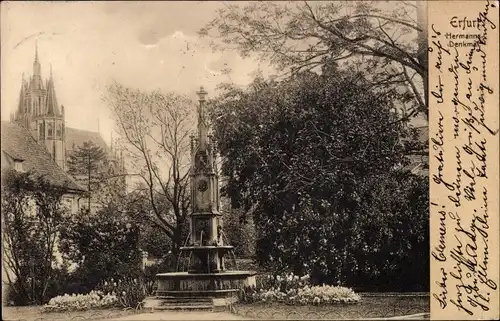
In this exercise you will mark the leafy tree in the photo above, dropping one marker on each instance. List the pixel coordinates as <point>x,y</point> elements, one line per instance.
<point>152,238</point>
<point>319,160</point>
<point>32,215</point>
<point>154,241</point>
<point>105,244</point>
<point>386,40</point>
<point>155,128</point>
<point>86,163</point>
<point>240,232</point>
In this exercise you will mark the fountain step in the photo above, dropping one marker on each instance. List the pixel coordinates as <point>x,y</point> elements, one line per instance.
<point>193,303</point>
<point>182,301</point>
<point>159,303</point>
<point>193,298</point>
<point>185,307</point>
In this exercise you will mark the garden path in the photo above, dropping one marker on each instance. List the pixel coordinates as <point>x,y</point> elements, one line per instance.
<point>184,315</point>
<point>196,315</point>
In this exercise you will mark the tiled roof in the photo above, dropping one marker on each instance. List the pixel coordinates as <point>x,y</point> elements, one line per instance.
<point>18,143</point>
<point>76,137</point>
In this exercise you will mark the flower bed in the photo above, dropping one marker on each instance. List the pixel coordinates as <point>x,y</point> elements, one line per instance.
<point>130,292</point>
<point>292,289</point>
<point>80,302</point>
<point>126,293</point>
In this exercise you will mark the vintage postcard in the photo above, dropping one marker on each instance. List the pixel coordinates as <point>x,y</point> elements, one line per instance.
<point>241,160</point>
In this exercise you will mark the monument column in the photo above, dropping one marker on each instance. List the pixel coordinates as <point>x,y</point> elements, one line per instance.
<point>206,276</point>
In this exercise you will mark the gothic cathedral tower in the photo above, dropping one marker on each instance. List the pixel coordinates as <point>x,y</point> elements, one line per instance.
<point>39,113</point>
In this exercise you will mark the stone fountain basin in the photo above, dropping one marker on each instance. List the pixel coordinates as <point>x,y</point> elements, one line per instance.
<point>223,284</point>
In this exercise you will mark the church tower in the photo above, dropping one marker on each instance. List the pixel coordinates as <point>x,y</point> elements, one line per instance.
<point>39,112</point>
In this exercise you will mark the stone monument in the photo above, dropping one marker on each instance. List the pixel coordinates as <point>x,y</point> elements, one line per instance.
<point>206,279</point>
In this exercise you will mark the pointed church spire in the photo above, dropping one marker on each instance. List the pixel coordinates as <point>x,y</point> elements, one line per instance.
<point>36,63</point>
<point>36,81</point>
<point>22,93</point>
<point>51,103</point>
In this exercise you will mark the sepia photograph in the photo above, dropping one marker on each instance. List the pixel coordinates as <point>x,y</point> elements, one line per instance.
<point>242,160</point>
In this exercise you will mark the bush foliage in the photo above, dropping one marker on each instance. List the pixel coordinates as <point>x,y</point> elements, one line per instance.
<point>104,244</point>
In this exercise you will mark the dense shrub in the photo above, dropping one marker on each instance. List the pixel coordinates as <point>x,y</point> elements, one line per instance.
<point>240,233</point>
<point>104,244</point>
<point>247,264</point>
<point>80,302</point>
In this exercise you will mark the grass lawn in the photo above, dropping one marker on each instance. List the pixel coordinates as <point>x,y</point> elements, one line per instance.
<point>32,313</point>
<point>368,307</point>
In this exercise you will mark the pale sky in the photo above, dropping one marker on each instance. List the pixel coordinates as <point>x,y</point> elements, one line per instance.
<point>144,45</point>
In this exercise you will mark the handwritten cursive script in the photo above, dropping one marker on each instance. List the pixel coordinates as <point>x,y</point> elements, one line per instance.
<point>463,141</point>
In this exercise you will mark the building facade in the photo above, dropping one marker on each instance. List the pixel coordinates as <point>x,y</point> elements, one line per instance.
<point>39,112</point>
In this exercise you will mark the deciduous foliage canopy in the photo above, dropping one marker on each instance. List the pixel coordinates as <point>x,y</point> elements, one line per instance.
<point>320,162</point>
<point>384,39</point>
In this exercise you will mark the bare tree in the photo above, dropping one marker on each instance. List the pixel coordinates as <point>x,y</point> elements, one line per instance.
<point>155,128</point>
<point>384,38</point>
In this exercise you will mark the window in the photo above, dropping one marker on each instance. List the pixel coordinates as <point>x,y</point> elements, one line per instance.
<point>59,131</point>
<point>18,165</point>
<point>39,107</point>
<point>41,133</point>
<point>50,130</point>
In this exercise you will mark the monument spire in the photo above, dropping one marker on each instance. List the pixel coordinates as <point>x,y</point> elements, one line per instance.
<point>202,124</point>
<point>36,51</point>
